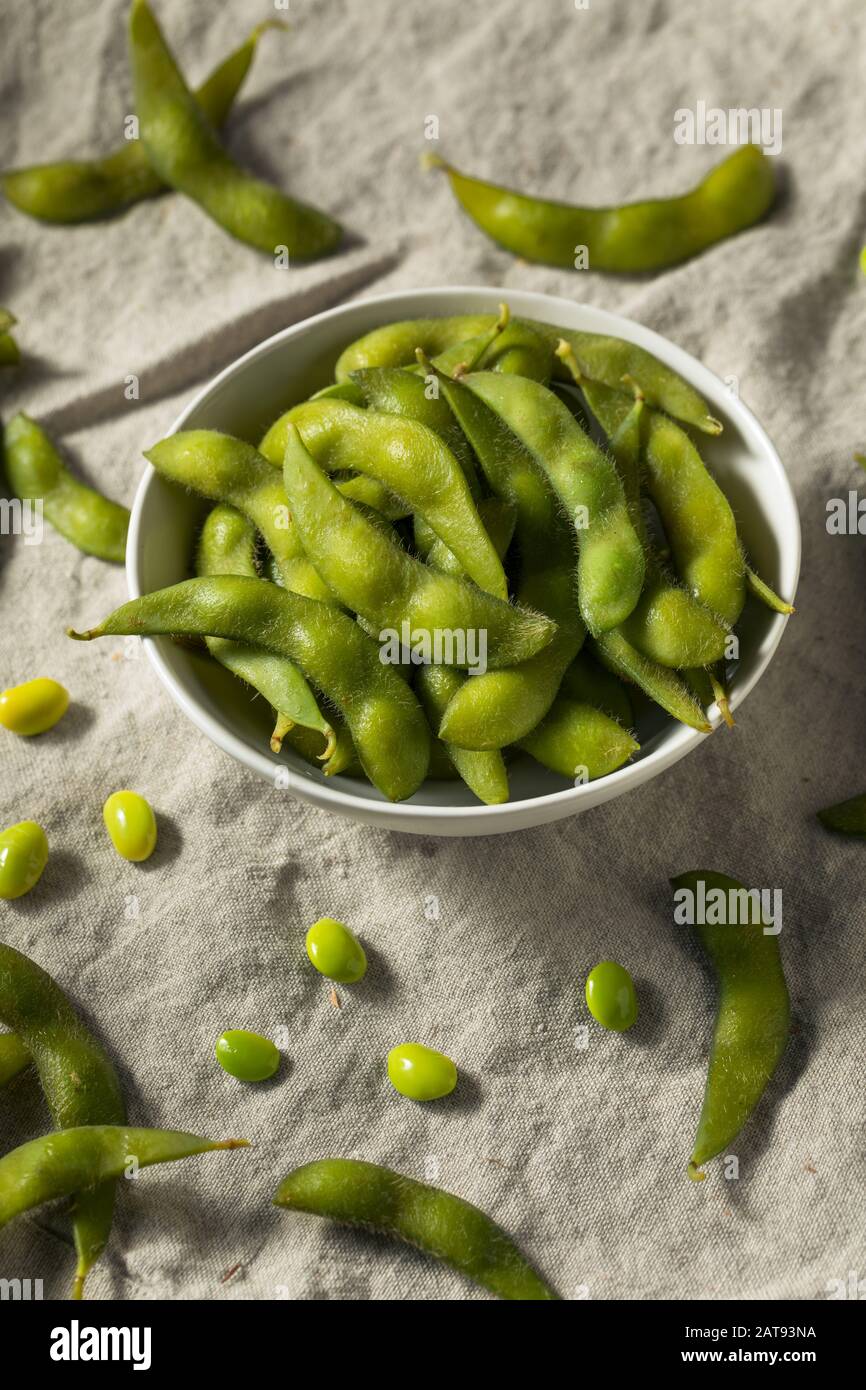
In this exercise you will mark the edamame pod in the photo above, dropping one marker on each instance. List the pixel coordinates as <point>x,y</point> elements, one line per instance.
<point>37,474</point>
<point>411,460</point>
<point>183,148</point>
<point>9,353</point>
<point>659,682</point>
<point>442,1225</point>
<point>73,1160</point>
<point>754,1010</point>
<point>634,237</point>
<point>227,546</point>
<point>484,773</point>
<point>374,577</point>
<point>697,518</point>
<point>500,707</point>
<point>79,1082</point>
<point>610,568</point>
<point>579,742</point>
<point>82,189</point>
<point>386,722</point>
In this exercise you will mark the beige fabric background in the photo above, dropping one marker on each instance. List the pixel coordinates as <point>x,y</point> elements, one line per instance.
<point>581,1154</point>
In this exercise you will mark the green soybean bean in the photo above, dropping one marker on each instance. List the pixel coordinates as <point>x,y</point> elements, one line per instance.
<point>33,707</point>
<point>79,1082</point>
<point>131,825</point>
<point>9,352</point>
<point>846,818</point>
<point>578,741</point>
<point>611,997</point>
<point>484,773</point>
<point>82,189</point>
<point>14,1057</point>
<point>500,707</point>
<point>36,473</point>
<point>613,361</point>
<point>634,237</point>
<point>410,460</point>
<point>335,951</point>
<point>421,1073</point>
<point>591,684</point>
<point>668,624</point>
<point>754,1010</point>
<point>23,856</point>
<point>60,1164</point>
<point>183,148</point>
<point>227,546</point>
<point>386,722</point>
<point>388,587</point>
<point>248,1056</point>
<point>440,1224</point>
<point>662,685</point>
<point>610,568</point>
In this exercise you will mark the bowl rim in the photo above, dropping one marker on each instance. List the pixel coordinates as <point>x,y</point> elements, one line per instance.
<point>681,739</point>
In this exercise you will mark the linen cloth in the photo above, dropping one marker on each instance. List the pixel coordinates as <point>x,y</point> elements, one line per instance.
<point>579,1152</point>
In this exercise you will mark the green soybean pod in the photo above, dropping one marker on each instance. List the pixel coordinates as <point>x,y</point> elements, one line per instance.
<point>406,457</point>
<point>14,1057</point>
<point>82,189</point>
<point>247,1056</point>
<point>386,722</point>
<point>394,391</point>
<point>442,1225</point>
<point>23,856</point>
<point>37,474</point>
<point>578,741</point>
<point>846,818</point>
<point>662,685</point>
<point>183,148</point>
<point>610,566</point>
<point>631,238</point>
<point>697,519</point>
<point>374,577</point>
<point>80,1084</point>
<point>753,1016</point>
<point>484,772</point>
<point>73,1160</point>
<point>9,353</point>
<point>335,951</point>
<point>227,546</point>
<point>501,707</point>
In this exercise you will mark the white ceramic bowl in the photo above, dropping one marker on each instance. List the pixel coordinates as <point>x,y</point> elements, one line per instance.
<point>246,397</point>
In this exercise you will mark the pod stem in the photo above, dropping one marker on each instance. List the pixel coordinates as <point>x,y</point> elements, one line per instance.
<point>87,636</point>
<point>767,595</point>
<point>282,726</point>
<point>431,160</point>
<point>695,1173</point>
<point>565,352</point>
<point>720,695</point>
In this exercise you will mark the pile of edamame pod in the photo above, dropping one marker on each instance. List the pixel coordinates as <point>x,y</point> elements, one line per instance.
<point>448,486</point>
